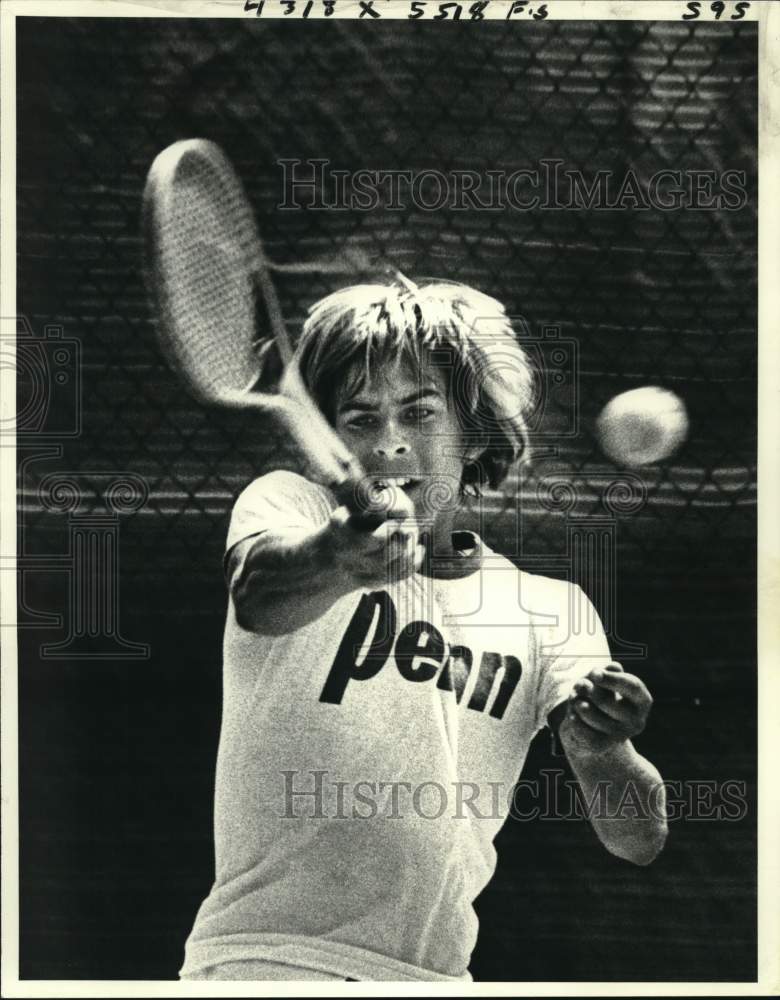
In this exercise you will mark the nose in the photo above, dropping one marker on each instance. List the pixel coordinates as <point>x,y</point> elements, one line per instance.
<point>391,450</point>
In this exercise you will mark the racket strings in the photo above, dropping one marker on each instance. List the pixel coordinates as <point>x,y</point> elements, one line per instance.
<point>208,256</point>
<point>207,276</point>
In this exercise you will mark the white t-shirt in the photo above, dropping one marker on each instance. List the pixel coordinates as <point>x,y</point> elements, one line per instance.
<point>434,687</point>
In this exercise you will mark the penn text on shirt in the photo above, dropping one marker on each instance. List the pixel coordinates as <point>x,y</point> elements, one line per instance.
<point>411,654</point>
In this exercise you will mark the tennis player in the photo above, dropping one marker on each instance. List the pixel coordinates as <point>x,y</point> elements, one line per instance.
<point>381,687</point>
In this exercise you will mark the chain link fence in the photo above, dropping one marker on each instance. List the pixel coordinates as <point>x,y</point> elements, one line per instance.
<point>636,295</point>
<point>613,297</point>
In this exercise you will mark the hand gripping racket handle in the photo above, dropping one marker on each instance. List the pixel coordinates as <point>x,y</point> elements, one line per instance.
<point>351,494</point>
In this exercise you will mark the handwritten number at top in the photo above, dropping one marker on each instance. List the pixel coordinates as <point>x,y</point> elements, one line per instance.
<point>718,8</point>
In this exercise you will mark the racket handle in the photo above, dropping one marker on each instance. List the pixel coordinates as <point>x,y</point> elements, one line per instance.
<point>349,494</point>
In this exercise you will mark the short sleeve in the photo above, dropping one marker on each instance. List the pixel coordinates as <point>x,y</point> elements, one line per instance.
<point>276,501</point>
<point>569,649</point>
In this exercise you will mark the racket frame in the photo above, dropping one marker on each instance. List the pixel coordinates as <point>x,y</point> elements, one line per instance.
<point>329,460</point>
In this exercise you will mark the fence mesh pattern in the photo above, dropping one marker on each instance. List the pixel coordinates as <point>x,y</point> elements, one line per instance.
<point>628,296</point>
<point>665,297</point>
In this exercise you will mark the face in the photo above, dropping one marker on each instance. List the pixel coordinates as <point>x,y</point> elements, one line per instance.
<point>404,431</point>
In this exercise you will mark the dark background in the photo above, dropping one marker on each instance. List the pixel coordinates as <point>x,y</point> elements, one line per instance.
<point>117,755</point>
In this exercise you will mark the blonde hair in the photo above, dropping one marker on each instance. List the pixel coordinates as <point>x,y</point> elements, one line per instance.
<point>357,331</point>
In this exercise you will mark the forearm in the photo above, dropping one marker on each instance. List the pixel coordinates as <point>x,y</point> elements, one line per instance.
<point>626,800</point>
<point>288,578</point>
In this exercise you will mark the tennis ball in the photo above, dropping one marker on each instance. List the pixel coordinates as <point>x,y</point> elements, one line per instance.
<point>642,426</point>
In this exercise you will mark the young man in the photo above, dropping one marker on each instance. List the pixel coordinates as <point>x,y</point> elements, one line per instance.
<point>381,687</point>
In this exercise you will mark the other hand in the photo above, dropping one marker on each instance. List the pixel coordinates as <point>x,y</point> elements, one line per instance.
<point>605,708</point>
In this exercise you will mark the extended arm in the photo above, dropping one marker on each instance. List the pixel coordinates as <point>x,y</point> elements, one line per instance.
<point>623,790</point>
<point>284,578</point>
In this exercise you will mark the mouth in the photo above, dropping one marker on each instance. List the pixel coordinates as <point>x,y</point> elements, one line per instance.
<point>405,483</point>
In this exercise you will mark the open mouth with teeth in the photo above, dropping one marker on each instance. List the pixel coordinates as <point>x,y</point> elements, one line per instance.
<point>405,483</point>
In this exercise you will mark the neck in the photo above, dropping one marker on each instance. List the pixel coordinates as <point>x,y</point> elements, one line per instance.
<point>448,556</point>
<point>439,540</point>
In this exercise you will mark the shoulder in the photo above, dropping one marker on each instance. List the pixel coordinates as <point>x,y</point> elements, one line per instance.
<point>282,489</point>
<point>278,500</point>
<point>548,604</point>
<point>549,589</point>
<point>537,590</point>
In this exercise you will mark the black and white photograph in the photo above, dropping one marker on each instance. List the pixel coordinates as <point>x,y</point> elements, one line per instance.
<point>383,594</point>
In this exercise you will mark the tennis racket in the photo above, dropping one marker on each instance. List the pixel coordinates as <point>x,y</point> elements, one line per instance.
<point>207,272</point>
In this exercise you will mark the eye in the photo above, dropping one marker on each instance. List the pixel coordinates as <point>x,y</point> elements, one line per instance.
<point>419,414</point>
<point>361,421</point>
